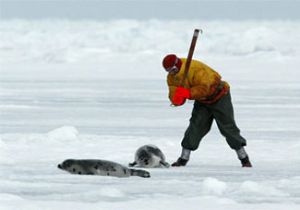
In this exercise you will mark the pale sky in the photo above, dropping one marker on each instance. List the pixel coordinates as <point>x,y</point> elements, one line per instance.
<point>149,9</point>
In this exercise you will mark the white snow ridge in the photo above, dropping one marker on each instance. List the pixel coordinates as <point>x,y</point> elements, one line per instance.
<point>96,90</point>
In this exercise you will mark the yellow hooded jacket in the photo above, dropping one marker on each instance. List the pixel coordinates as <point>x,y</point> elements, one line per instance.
<point>201,80</point>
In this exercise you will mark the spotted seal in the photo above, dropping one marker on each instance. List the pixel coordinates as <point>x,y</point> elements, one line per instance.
<point>100,167</point>
<point>149,156</point>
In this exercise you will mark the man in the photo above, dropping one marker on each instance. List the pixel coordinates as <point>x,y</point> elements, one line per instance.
<point>212,102</point>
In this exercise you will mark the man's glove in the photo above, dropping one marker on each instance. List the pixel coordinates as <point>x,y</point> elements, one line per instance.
<point>181,94</point>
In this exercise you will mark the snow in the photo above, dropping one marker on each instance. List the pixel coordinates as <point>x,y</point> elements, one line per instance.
<point>87,89</point>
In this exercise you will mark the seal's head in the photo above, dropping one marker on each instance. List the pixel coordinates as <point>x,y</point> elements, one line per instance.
<point>66,165</point>
<point>73,166</point>
<point>145,159</point>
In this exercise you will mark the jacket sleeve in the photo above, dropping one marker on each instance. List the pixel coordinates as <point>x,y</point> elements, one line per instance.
<point>199,92</point>
<point>171,92</point>
<point>201,85</point>
<point>172,88</point>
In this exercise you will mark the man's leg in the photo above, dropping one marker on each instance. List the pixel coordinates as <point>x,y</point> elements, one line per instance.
<point>224,115</point>
<point>200,124</point>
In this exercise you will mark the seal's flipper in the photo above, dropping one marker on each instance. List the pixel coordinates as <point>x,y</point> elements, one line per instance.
<point>165,164</point>
<point>141,173</point>
<point>132,164</point>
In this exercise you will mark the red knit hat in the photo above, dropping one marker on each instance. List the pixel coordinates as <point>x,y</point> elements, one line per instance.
<point>170,61</point>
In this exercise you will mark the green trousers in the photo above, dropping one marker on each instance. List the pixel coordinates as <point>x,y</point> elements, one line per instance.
<point>201,121</point>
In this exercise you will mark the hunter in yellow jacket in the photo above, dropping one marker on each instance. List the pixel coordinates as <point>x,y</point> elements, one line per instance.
<point>204,83</point>
<point>212,102</point>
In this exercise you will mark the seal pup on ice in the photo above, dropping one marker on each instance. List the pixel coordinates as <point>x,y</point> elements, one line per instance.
<point>149,156</point>
<point>100,167</point>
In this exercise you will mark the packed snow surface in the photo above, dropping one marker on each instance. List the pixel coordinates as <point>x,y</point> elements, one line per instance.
<point>96,90</point>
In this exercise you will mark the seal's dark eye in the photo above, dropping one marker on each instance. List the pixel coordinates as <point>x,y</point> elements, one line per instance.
<point>74,169</point>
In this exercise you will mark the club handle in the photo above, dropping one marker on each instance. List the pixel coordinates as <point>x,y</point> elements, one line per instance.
<point>190,54</point>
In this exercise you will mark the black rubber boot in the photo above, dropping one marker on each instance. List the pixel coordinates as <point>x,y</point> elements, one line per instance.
<point>179,162</point>
<point>246,162</point>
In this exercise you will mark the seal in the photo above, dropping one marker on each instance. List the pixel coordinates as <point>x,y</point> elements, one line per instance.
<point>100,167</point>
<point>149,156</point>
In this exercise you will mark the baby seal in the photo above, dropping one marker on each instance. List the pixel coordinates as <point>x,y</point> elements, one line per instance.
<point>149,156</point>
<point>100,167</point>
